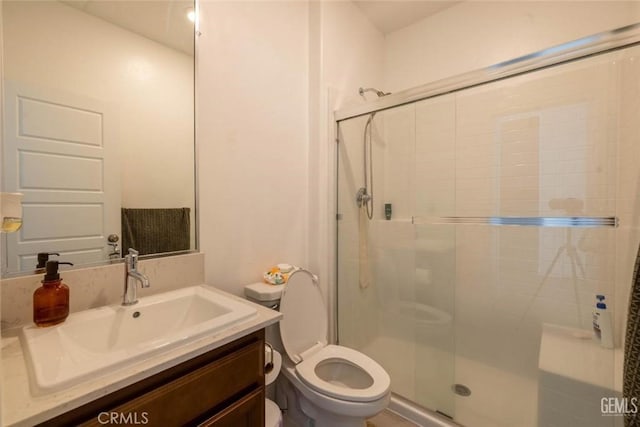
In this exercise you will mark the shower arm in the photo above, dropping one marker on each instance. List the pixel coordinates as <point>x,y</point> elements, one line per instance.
<point>380,93</point>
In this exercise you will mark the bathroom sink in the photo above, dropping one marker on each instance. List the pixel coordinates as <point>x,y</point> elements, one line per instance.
<point>97,341</point>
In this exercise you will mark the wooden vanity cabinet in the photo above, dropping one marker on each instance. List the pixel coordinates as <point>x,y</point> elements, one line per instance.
<point>224,387</point>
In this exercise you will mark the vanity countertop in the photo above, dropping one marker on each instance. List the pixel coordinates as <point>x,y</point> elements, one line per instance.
<point>22,408</point>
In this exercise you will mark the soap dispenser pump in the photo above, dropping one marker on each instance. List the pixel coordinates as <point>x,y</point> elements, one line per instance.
<point>43,257</point>
<point>51,300</point>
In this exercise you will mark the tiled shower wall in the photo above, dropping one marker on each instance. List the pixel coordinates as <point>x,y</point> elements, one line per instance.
<point>468,304</point>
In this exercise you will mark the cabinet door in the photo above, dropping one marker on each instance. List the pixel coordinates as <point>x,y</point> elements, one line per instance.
<point>247,412</point>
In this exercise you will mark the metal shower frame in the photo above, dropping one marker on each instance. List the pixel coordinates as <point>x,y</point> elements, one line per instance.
<point>566,52</point>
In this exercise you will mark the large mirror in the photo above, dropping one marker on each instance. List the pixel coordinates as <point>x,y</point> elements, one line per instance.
<point>98,129</point>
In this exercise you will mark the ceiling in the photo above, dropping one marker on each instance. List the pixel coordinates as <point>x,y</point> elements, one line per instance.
<point>164,21</point>
<point>391,15</point>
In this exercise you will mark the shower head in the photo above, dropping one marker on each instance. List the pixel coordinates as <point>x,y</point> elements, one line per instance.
<point>380,93</point>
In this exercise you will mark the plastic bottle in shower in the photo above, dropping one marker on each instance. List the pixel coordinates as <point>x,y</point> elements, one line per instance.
<point>602,326</point>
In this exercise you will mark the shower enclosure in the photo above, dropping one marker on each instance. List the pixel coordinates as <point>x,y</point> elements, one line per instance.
<point>514,202</point>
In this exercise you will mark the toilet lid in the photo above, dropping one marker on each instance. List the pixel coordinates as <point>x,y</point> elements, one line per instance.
<point>303,327</point>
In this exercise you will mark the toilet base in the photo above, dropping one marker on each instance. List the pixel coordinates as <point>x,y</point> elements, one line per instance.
<point>322,418</point>
<point>287,399</point>
<point>302,412</point>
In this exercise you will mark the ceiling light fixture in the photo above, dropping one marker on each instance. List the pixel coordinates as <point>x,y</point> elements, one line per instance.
<point>191,15</point>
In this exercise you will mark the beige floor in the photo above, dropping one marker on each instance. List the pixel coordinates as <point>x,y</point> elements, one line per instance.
<point>389,419</point>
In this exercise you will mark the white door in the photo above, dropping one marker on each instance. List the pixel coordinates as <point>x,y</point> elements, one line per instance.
<point>60,152</point>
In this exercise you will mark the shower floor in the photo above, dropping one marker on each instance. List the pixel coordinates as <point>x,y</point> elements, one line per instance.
<point>425,375</point>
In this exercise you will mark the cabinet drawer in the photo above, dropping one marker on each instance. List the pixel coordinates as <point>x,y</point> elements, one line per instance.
<point>247,412</point>
<point>185,399</point>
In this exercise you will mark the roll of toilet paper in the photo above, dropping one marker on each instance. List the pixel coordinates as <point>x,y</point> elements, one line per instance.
<point>277,364</point>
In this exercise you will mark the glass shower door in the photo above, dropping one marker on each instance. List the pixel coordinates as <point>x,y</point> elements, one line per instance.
<point>395,279</point>
<point>540,145</point>
<point>435,257</point>
<point>513,204</point>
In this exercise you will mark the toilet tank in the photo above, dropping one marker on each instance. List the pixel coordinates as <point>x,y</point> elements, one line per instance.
<point>268,296</point>
<point>264,294</point>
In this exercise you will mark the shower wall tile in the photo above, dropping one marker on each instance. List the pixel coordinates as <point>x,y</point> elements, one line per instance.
<point>393,249</point>
<point>357,308</point>
<point>435,269</point>
<point>548,133</point>
<point>397,154</point>
<point>529,146</point>
<point>628,185</point>
<point>348,239</point>
<point>435,157</point>
<point>350,166</point>
<point>531,274</point>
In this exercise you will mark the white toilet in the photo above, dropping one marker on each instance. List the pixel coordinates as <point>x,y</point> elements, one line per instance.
<point>334,385</point>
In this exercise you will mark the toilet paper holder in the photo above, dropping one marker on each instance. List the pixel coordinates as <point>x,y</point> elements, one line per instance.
<point>268,367</point>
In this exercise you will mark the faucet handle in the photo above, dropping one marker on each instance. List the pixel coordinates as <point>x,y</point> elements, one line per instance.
<point>132,259</point>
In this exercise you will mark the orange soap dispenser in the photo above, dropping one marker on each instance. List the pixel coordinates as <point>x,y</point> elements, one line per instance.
<point>51,300</point>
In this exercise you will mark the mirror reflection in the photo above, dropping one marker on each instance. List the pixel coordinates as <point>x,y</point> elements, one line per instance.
<point>98,129</point>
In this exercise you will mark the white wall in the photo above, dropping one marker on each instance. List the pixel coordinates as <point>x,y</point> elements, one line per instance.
<point>51,45</point>
<point>252,132</point>
<point>477,34</point>
<point>352,52</point>
<point>270,75</point>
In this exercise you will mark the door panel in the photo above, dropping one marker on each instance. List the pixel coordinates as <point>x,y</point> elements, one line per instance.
<point>60,152</point>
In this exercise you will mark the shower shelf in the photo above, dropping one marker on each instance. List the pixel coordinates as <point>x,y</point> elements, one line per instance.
<point>526,221</point>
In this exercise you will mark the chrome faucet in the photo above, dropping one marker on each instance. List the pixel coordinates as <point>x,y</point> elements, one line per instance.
<point>132,276</point>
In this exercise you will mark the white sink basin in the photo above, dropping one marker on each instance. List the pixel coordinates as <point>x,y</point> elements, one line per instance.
<point>101,340</point>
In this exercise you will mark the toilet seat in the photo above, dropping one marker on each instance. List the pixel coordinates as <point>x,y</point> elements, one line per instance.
<point>345,374</point>
<point>331,370</point>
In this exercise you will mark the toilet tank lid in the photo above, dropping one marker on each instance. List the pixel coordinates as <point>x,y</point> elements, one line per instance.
<point>263,291</point>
